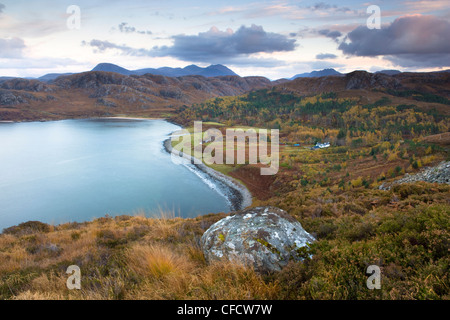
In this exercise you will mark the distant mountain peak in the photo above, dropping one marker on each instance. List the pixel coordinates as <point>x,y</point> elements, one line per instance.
<point>217,66</point>
<point>222,68</point>
<point>109,67</point>
<point>192,69</point>
<point>105,64</point>
<point>320,73</point>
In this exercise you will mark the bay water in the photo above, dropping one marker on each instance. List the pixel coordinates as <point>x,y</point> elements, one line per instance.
<point>78,170</point>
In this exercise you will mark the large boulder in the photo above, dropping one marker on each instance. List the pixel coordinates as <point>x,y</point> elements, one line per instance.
<point>266,238</point>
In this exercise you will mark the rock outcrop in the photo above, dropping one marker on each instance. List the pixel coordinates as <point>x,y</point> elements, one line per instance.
<point>25,85</point>
<point>366,80</point>
<point>266,238</point>
<point>437,174</point>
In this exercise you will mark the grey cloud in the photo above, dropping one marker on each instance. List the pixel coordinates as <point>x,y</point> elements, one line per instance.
<point>420,60</point>
<point>212,46</point>
<point>321,6</point>
<point>330,33</point>
<point>11,48</point>
<point>102,46</point>
<point>226,44</point>
<point>2,7</point>
<point>323,10</point>
<point>323,56</point>
<point>419,40</point>
<point>126,28</point>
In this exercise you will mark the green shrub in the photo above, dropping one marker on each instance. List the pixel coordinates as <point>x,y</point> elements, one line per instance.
<point>28,228</point>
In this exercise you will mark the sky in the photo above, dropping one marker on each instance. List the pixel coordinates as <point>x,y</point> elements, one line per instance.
<point>275,39</point>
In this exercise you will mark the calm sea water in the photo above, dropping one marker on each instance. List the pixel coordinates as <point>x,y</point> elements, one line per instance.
<point>77,170</point>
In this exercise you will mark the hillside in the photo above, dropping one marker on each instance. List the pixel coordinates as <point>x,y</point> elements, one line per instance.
<point>424,90</point>
<point>106,93</point>
<point>362,80</point>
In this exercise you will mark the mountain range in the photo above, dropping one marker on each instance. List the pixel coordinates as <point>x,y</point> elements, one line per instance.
<point>217,70</point>
<point>333,72</point>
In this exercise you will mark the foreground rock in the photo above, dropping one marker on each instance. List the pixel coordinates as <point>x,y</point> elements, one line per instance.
<point>437,174</point>
<point>266,238</point>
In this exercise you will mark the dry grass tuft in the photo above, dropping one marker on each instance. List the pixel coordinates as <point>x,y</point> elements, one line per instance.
<point>232,281</point>
<point>155,261</point>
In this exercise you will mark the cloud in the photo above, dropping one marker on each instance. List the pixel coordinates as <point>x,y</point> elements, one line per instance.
<point>426,5</point>
<point>323,56</point>
<point>288,10</point>
<point>330,33</point>
<point>307,32</point>
<point>325,11</point>
<point>11,48</point>
<point>215,44</point>
<point>410,40</point>
<point>102,46</point>
<point>124,27</point>
<point>2,7</point>
<point>322,6</point>
<point>431,60</point>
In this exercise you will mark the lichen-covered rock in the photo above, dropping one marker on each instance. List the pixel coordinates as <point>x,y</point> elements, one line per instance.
<point>266,238</point>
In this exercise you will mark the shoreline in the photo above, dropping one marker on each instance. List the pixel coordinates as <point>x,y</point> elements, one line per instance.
<point>239,196</point>
<point>82,118</point>
<point>128,118</point>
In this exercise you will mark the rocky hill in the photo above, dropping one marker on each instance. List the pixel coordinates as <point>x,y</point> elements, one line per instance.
<point>433,82</point>
<point>106,93</point>
<point>426,91</point>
